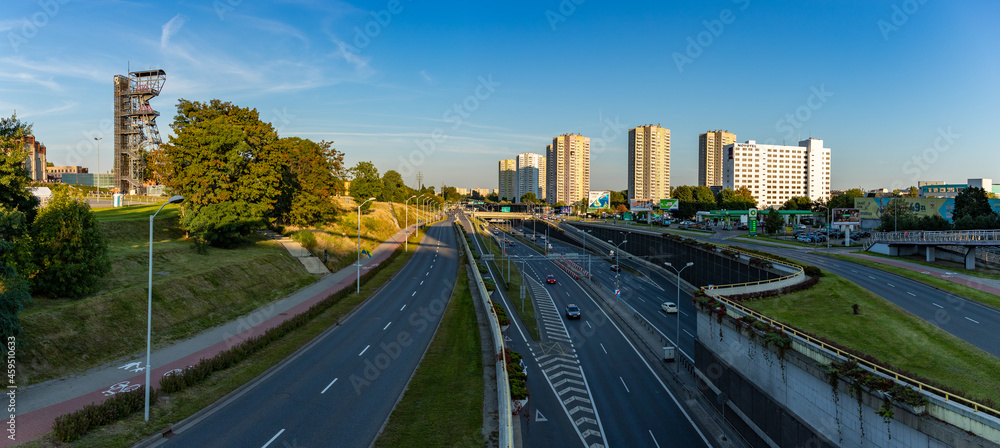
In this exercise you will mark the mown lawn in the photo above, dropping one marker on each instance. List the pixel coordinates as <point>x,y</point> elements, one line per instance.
<point>888,333</point>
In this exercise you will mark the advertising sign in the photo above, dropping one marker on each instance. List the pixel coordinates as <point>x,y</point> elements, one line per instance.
<point>565,210</point>
<point>504,209</point>
<point>642,205</point>
<point>753,227</point>
<point>846,217</point>
<point>598,200</point>
<point>669,204</point>
<point>872,208</point>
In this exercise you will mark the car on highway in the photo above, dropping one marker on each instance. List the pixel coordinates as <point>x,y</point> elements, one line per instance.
<point>616,268</point>
<point>510,243</point>
<point>551,279</point>
<point>572,311</point>
<point>669,307</point>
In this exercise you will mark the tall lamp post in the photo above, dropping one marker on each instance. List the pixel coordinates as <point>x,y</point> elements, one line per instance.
<point>585,251</point>
<point>619,270</point>
<point>358,290</point>
<point>678,337</point>
<point>97,181</point>
<point>406,245</point>
<point>149,299</point>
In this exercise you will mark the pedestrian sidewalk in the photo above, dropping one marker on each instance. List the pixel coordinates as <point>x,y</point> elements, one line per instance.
<point>39,404</point>
<point>983,284</point>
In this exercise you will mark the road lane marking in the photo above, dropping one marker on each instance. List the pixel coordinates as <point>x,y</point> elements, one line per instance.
<point>428,273</point>
<point>588,325</point>
<point>939,306</point>
<point>414,293</point>
<point>365,350</point>
<point>623,384</point>
<point>386,326</point>
<point>972,320</point>
<point>328,385</point>
<point>654,438</point>
<point>602,348</point>
<point>272,438</point>
<point>873,278</point>
<point>688,333</point>
<point>852,270</point>
<point>401,309</point>
<point>910,293</point>
<point>421,282</point>
<point>891,285</point>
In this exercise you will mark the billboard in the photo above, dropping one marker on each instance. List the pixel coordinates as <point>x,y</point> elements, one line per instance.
<point>669,204</point>
<point>872,208</point>
<point>846,217</point>
<point>643,205</point>
<point>565,210</point>
<point>598,200</point>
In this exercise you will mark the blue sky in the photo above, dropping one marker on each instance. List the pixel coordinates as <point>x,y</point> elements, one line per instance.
<point>907,89</point>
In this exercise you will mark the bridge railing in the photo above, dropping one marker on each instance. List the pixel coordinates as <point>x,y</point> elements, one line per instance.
<point>949,236</point>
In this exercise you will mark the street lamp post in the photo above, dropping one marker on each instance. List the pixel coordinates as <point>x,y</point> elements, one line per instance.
<point>358,290</point>
<point>406,244</point>
<point>585,251</point>
<point>149,299</point>
<point>97,181</point>
<point>677,341</point>
<point>618,266</point>
<point>421,204</point>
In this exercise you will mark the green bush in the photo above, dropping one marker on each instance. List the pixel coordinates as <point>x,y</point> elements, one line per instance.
<point>812,271</point>
<point>305,238</point>
<point>72,426</point>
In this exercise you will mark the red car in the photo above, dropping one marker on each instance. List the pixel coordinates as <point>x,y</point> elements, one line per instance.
<point>551,279</point>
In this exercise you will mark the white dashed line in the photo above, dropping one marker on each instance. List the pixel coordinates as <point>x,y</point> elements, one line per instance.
<point>272,438</point>
<point>386,326</point>
<point>891,285</point>
<point>654,438</point>
<point>688,333</point>
<point>421,282</point>
<point>328,385</point>
<point>910,293</point>
<point>414,293</point>
<point>623,384</point>
<point>365,350</point>
<point>873,278</point>
<point>428,273</point>
<point>589,326</point>
<point>972,320</point>
<point>401,309</point>
<point>602,348</point>
<point>939,306</point>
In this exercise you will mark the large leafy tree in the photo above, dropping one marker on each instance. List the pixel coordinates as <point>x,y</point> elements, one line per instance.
<point>773,221</point>
<point>223,159</point>
<point>14,178</point>
<point>530,198</point>
<point>393,187</point>
<point>845,199</point>
<point>308,181</point>
<point>69,249</point>
<point>973,211</point>
<point>365,183</point>
<point>14,287</point>
<point>798,203</point>
<point>898,215</point>
<point>741,199</point>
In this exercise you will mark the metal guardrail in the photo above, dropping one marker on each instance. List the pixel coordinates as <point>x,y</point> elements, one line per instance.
<point>506,436</point>
<point>950,236</point>
<point>947,396</point>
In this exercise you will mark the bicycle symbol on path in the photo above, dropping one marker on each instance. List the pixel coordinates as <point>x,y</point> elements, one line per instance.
<point>121,387</point>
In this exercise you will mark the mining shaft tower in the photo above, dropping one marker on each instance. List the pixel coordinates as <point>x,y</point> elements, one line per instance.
<point>135,127</point>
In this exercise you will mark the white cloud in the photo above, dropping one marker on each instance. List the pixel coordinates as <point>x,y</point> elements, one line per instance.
<point>423,73</point>
<point>65,106</point>
<point>170,28</point>
<point>31,79</point>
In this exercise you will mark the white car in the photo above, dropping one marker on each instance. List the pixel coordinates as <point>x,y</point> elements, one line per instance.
<point>669,307</point>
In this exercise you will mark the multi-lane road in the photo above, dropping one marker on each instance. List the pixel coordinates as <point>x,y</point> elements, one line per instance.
<point>340,389</point>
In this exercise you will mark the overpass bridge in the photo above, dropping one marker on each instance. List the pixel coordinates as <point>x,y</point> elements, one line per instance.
<point>501,215</point>
<point>912,241</point>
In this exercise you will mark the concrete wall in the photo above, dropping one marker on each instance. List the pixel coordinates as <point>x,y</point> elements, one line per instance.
<point>793,392</point>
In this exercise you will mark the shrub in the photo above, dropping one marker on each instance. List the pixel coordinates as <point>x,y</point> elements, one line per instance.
<point>74,425</point>
<point>812,271</point>
<point>306,238</point>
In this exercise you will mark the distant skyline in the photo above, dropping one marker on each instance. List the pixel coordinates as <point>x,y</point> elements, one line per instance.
<point>900,91</point>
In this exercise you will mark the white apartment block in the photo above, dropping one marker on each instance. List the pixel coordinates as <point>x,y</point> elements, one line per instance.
<point>530,175</point>
<point>508,180</point>
<point>776,173</point>
<point>649,163</point>
<point>567,162</point>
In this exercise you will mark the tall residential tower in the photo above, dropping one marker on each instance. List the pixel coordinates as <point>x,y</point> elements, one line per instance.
<point>567,164</point>
<point>710,156</point>
<point>530,175</point>
<point>508,181</point>
<point>649,162</point>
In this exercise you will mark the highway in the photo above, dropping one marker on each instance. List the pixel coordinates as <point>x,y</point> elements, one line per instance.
<point>615,380</point>
<point>339,389</point>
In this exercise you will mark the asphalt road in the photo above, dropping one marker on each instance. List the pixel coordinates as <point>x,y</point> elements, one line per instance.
<point>633,405</point>
<point>340,388</point>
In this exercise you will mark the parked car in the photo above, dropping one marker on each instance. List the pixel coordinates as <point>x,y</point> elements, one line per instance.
<point>669,307</point>
<point>572,311</point>
<point>743,227</point>
<point>551,279</point>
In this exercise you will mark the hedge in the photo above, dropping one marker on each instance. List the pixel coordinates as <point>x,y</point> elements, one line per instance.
<point>74,425</point>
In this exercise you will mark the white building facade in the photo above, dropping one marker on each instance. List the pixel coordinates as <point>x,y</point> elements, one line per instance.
<point>776,173</point>
<point>530,175</point>
<point>507,180</point>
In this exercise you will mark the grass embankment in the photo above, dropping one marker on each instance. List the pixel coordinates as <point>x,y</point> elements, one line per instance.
<point>980,271</point>
<point>172,409</point>
<point>443,403</point>
<point>951,286</point>
<point>525,308</point>
<point>340,238</point>
<point>888,333</point>
<point>191,292</point>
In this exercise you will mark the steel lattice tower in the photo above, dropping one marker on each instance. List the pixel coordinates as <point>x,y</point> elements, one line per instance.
<point>135,127</point>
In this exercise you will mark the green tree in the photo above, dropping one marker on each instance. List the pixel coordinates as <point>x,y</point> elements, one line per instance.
<point>14,254</point>
<point>530,198</point>
<point>308,181</point>
<point>684,193</point>
<point>973,211</point>
<point>617,197</point>
<point>223,160</point>
<point>845,199</point>
<point>365,183</point>
<point>14,177</point>
<point>69,249</point>
<point>773,221</point>
<point>493,197</point>
<point>742,199</point>
<point>899,216</point>
<point>393,187</point>
<point>798,203</point>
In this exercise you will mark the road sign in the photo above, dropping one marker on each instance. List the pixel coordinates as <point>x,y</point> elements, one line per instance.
<point>753,213</point>
<point>504,209</point>
<point>618,293</point>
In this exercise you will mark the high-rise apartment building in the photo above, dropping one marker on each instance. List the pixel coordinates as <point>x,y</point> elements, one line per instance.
<point>530,175</point>
<point>508,180</point>
<point>567,162</point>
<point>649,162</point>
<point>710,156</point>
<point>776,173</point>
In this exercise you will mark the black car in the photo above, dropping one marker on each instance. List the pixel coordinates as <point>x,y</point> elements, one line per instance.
<point>616,268</point>
<point>572,311</point>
